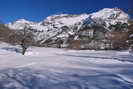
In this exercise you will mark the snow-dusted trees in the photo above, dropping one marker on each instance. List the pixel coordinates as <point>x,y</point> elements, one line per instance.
<point>130,41</point>
<point>5,33</point>
<point>118,40</point>
<point>118,36</point>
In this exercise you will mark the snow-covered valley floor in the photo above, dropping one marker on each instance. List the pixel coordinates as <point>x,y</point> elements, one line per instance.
<point>51,68</point>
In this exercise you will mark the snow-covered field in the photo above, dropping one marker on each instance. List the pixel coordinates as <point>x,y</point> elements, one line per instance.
<point>51,68</point>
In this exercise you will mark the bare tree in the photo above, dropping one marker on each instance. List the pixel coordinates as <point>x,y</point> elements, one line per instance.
<point>23,37</point>
<point>26,40</point>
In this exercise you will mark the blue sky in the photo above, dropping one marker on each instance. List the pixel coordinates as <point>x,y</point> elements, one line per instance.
<point>37,10</point>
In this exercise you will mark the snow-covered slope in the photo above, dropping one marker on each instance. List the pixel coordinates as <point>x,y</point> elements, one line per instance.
<point>65,19</point>
<point>53,25</point>
<point>51,68</point>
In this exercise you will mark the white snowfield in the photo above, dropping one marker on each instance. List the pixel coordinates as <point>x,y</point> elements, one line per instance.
<point>52,68</point>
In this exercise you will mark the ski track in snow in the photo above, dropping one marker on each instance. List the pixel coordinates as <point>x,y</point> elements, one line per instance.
<point>51,68</point>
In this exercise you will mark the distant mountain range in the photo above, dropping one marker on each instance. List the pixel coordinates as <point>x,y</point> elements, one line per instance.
<point>64,25</point>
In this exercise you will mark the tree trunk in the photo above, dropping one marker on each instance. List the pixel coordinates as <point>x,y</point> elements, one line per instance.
<point>23,50</point>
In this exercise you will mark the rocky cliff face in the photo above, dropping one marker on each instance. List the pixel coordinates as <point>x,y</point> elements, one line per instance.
<point>59,28</point>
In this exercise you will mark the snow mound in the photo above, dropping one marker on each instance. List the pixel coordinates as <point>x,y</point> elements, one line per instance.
<point>31,53</point>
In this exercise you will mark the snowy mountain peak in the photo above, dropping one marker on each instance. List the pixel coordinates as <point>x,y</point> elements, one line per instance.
<point>19,24</point>
<point>108,13</point>
<point>111,16</point>
<point>65,19</point>
<point>22,21</point>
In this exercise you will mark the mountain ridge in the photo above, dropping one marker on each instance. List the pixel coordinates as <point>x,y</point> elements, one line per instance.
<point>62,26</point>
<point>106,14</point>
